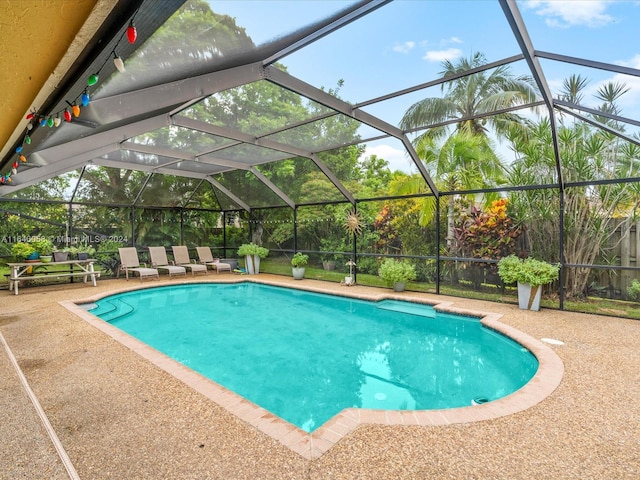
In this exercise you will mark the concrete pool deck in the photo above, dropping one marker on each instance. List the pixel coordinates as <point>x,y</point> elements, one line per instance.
<point>117,415</point>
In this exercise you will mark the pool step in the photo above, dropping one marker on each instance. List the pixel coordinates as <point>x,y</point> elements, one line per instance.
<point>407,307</point>
<point>112,310</point>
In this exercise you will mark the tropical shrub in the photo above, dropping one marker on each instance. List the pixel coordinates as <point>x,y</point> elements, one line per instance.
<point>534,272</point>
<point>396,271</point>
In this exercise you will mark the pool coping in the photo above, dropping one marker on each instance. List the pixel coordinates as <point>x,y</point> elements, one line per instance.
<point>313,445</point>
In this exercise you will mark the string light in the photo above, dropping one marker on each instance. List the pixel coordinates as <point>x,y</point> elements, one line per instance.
<point>93,79</point>
<point>117,61</point>
<point>54,119</point>
<point>85,98</point>
<point>132,33</point>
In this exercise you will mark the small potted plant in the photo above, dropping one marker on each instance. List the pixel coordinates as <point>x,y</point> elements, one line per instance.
<point>396,273</point>
<point>82,250</point>
<point>530,274</point>
<point>252,254</point>
<point>21,251</point>
<point>44,247</point>
<point>60,255</point>
<point>298,261</point>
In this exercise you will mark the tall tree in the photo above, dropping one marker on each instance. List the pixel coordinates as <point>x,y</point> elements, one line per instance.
<point>469,96</point>
<point>464,158</point>
<point>587,153</point>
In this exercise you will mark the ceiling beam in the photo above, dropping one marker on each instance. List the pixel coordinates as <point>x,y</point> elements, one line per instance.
<point>320,96</point>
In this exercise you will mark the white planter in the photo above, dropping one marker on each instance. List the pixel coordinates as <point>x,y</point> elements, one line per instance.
<point>252,264</point>
<point>298,272</point>
<point>528,297</point>
<point>348,280</point>
<point>399,286</point>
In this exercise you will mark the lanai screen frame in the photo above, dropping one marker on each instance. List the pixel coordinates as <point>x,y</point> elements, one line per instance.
<point>260,66</point>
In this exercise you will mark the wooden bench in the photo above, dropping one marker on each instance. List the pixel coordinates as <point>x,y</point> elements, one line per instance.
<point>19,272</point>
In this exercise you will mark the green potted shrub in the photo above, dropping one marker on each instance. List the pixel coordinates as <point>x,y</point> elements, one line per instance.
<point>396,273</point>
<point>44,247</point>
<point>530,274</point>
<point>82,250</point>
<point>298,262</point>
<point>252,254</point>
<point>21,251</point>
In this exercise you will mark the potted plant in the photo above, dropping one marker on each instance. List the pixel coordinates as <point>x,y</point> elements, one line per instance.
<point>328,246</point>
<point>396,273</point>
<point>21,251</point>
<point>82,250</point>
<point>530,274</point>
<point>44,247</point>
<point>60,255</point>
<point>252,254</point>
<point>298,261</point>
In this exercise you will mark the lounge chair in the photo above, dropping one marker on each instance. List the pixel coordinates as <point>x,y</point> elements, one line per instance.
<point>129,262</point>
<point>181,258</point>
<point>206,257</point>
<point>158,256</point>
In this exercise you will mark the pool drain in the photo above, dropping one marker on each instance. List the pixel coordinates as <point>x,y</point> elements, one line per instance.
<point>479,400</point>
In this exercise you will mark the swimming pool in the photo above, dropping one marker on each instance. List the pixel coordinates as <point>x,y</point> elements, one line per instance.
<point>306,356</point>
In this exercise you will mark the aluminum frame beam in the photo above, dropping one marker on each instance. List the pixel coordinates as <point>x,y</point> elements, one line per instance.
<point>301,88</point>
<point>519,29</point>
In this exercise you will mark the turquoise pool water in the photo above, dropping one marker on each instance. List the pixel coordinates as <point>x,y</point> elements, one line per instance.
<point>306,356</point>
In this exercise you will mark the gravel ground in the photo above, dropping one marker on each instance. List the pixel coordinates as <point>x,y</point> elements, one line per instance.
<point>120,417</point>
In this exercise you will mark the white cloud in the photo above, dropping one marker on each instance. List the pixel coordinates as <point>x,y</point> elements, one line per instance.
<point>569,13</point>
<point>405,47</point>
<point>398,159</point>
<point>440,55</point>
<point>451,40</point>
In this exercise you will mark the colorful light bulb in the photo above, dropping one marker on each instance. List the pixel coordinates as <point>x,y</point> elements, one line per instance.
<point>93,79</point>
<point>132,33</point>
<point>117,61</point>
<point>29,126</point>
<point>30,116</point>
<point>14,171</point>
<point>85,98</point>
<point>43,122</point>
<point>67,115</point>
<point>27,139</point>
<point>19,149</point>
<point>23,158</point>
<point>50,122</point>
<point>76,110</point>
<point>57,121</point>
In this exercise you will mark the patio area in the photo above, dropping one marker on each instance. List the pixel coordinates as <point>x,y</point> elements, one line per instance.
<point>119,416</point>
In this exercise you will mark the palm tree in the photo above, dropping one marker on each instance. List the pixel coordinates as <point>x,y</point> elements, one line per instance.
<point>465,160</point>
<point>469,96</point>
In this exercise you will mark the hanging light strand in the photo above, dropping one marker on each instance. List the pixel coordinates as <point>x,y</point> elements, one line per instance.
<point>54,119</point>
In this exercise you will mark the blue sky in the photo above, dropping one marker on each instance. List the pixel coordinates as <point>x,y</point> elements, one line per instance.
<point>403,44</point>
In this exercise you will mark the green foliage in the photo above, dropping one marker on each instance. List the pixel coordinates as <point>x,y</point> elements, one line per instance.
<point>396,271</point>
<point>43,246</point>
<point>107,255</point>
<point>633,290</point>
<point>21,250</point>
<point>487,234</point>
<point>299,259</point>
<point>252,249</point>
<point>81,247</point>
<point>534,272</point>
